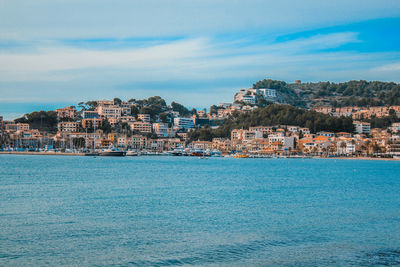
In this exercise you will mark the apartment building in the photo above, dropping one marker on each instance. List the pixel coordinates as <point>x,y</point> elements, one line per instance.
<point>90,114</point>
<point>67,112</point>
<point>362,127</point>
<point>68,126</point>
<point>142,127</point>
<point>267,92</point>
<point>184,123</point>
<point>144,117</point>
<point>265,130</point>
<point>109,111</point>
<point>91,123</point>
<point>22,127</point>
<point>161,129</point>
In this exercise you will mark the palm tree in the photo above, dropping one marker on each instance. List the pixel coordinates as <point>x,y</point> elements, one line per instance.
<point>343,145</point>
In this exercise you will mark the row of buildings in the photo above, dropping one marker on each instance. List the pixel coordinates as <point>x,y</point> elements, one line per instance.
<point>358,113</point>
<point>84,130</point>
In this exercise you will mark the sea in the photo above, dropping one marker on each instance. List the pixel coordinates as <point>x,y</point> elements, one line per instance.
<point>187,211</point>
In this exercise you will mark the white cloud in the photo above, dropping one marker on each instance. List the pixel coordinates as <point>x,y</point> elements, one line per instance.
<point>189,70</point>
<point>388,68</point>
<point>56,19</point>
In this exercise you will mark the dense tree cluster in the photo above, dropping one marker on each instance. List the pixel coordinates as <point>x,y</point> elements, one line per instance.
<point>183,111</point>
<point>287,94</point>
<point>383,122</point>
<point>351,93</point>
<point>41,120</point>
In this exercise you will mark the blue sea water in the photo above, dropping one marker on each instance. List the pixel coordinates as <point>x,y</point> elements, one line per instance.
<point>179,211</point>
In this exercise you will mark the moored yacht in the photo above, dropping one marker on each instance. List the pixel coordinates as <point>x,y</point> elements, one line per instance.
<point>115,152</point>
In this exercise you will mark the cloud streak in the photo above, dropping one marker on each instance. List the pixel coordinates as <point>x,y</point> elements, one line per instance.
<point>58,19</point>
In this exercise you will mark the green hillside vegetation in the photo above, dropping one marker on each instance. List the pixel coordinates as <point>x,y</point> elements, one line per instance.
<point>41,120</point>
<point>352,93</point>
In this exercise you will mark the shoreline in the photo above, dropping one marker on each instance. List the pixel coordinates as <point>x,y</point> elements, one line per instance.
<point>40,153</point>
<point>83,154</point>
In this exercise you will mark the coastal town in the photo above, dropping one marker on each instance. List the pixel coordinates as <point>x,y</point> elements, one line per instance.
<point>150,127</point>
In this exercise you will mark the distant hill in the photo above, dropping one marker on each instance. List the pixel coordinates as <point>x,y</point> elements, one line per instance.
<point>351,93</point>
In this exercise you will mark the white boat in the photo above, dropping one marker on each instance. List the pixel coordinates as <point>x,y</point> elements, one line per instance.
<point>132,153</point>
<point>112,152</point>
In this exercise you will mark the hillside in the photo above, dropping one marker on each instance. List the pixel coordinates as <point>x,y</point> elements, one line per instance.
<point>351,93</point>
<point>276,115</point>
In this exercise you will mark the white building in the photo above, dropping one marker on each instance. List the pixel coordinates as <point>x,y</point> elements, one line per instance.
<point>267,93</point>
<point>183,123</point>
<point>109,111</point>
<point>250,95</point>
<point>362,127</point>
<point>287,141</point>
<point>161,129</point>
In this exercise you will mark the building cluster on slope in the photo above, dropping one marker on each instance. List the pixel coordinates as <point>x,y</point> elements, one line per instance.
<point>359,113</point>
<point>84,130</point>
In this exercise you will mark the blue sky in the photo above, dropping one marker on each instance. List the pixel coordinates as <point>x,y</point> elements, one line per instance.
<point>55,53</point>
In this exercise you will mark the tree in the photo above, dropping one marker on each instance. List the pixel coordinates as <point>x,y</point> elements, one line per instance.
<point>343,146</point>
<point>78,142</point>
<point>106,126</point>
<point>180,109</point>
<point>41,120</point>
<point>91,105</point>
<point>117,101</point>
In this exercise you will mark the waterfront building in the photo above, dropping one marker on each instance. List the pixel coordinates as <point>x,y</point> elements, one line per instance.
<point>137,142</point>
<point>221,144</point>
<point>203,145</point>
<point>155,145</point>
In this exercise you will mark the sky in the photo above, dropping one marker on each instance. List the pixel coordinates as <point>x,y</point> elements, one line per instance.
<point>55,53</point>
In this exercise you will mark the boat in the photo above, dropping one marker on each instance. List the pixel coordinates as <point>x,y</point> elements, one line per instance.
<point>237,156</point>
<point>112,152</point>
<point>94,154</point>
<point>216,153</point>
<point>131,153</point>
<point>176,152</point>
<point>197,153</point>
